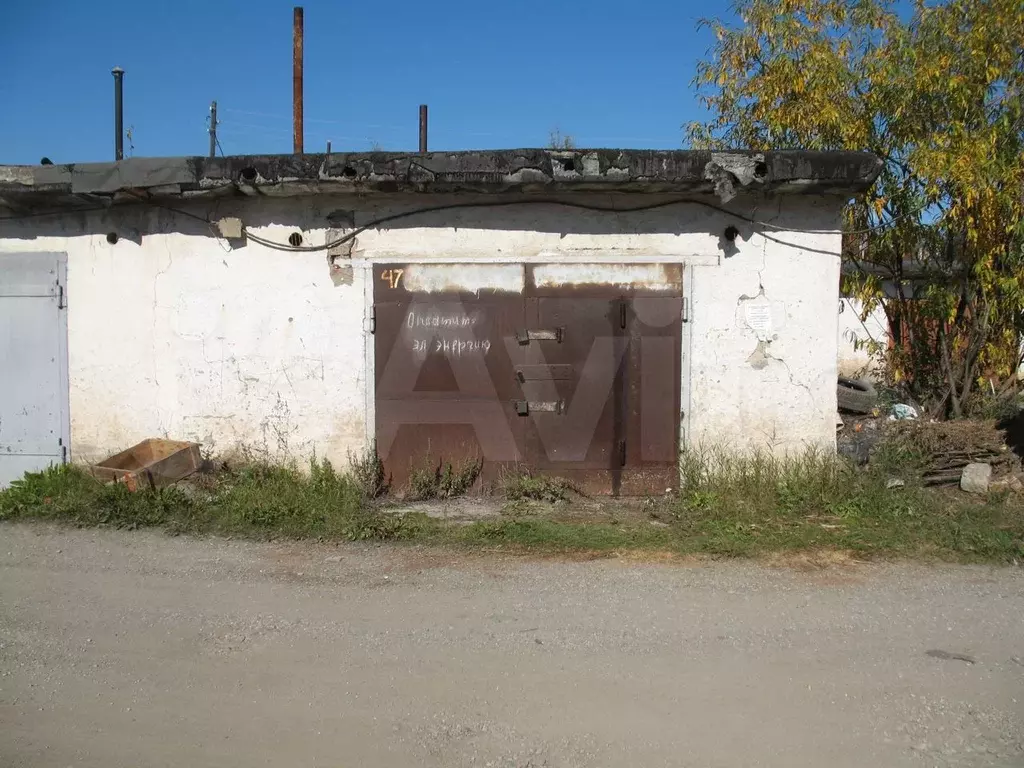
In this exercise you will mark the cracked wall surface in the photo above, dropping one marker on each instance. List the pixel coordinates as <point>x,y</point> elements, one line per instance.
<point>175,332</point>
<point>763,364</point>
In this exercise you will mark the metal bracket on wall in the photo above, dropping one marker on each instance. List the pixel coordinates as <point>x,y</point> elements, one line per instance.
<point>525,337</point>
<point>525,407</point>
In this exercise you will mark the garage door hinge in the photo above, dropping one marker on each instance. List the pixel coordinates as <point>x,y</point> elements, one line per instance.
<point>686,310</point>
<point>63,454</point>
<point>371,321</point>
<point>60,296</point>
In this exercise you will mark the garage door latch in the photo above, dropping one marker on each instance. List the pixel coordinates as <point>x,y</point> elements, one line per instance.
<point>525,337</point>
<point>526,407</point>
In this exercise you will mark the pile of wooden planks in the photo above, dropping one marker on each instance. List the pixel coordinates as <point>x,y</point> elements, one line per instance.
<point>946,468</point>
<point>945,448</point>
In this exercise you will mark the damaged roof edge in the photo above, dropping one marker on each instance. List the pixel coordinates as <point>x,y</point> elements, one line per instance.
<point>530,170</point>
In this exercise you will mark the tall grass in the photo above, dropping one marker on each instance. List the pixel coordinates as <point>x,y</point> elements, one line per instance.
<point>761,482</point>
<point>745,504</point>
<point>728,505</point>
<point>257,499</point>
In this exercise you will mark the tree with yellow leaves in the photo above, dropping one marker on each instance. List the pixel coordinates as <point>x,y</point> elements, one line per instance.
<point>938,94</point>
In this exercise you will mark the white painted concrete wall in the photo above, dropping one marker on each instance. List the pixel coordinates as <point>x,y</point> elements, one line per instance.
<point>762,338</point>
<point>857,336</point>
<point>172,332</point>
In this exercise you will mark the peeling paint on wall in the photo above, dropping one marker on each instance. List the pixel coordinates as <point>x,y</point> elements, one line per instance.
<point>764,318</point>
<point>338,256</point>
<point>759,357</point>
<point>341,274</point>
<point>463,278</point>
<point>658,277</point>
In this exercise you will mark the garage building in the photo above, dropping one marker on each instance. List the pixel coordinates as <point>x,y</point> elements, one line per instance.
<point>588,313</point>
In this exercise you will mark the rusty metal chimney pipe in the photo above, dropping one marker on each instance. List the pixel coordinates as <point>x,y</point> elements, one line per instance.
<point>118,74</point>
<point>297,80</point>
<point>423,129</point>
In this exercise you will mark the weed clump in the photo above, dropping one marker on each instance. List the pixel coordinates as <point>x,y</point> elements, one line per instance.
<point>443,480</point>
<point>522,486</point>
<point>368,472</point>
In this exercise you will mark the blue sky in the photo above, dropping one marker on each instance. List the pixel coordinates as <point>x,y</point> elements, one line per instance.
<point>608,72</point>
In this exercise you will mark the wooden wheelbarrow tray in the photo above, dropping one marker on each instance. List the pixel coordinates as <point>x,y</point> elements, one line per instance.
<point>153,463</point>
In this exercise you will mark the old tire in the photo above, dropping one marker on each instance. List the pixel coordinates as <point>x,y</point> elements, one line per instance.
<point>855,395</point>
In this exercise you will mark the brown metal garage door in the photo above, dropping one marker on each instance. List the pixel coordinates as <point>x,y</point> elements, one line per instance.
<point>571,374</point>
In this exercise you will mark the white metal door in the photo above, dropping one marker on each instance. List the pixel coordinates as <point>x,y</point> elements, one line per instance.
<point>34,418</point>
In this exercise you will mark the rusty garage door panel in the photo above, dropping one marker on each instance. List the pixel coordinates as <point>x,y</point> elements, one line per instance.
<point>567,369</point>
<point>445,381</point>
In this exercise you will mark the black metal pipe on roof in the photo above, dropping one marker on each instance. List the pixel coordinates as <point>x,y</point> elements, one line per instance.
<point>118,74</point>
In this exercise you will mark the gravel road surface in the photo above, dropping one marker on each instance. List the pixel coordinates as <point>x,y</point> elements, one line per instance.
<point>135,649</point>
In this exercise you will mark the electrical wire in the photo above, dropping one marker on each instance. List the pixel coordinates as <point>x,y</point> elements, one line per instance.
<point>864,231</point>
<point>505,203</point>
<point>188,214</point>
<point>543,201</point>
<point>65,212</point>
<point>287,247</point>
<point>253,127</point>
<point>288,118</point>
<point>452,206</point>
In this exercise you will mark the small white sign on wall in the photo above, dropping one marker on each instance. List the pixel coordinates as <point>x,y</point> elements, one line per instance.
<point>762,316</point>
<point>759,317</point>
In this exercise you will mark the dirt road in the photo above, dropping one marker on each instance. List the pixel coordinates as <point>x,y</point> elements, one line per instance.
<point>134,649</point>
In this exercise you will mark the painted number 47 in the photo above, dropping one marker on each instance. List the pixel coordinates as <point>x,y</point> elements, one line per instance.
<point>392,277</point>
